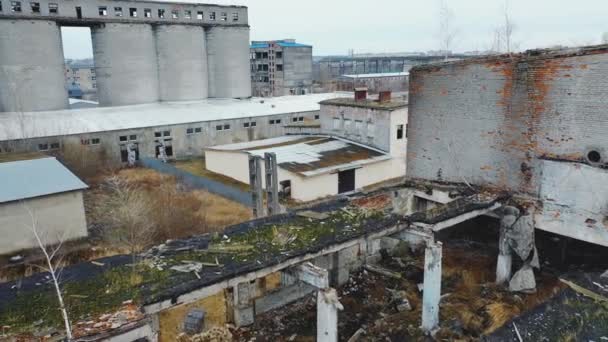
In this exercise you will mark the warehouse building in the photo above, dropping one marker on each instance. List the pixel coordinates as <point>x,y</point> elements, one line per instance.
<point>185,128</point>
<point>39,192</point>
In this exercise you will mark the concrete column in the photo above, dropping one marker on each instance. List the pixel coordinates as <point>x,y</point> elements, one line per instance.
<point>505,258</point>
<point>327,315</point>
<point>432,287</point>
<point>243,306</point>
<point>255,182</point>
<point>272,184</point>
<point>32,75</point>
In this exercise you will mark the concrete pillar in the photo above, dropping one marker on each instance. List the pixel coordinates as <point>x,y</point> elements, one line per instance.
<point>126,65</point>
<point>244,313</point>
<point>255,182</point>
<point>505,258</point>
<point>432,287</point>
<point>327,315</point>
<point>32,75</point>
<point>272,184</point>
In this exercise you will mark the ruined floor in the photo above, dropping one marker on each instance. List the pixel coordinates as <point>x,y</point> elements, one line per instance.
<point>472,305</point>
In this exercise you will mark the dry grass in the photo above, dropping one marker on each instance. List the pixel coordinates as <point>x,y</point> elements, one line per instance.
<point>174,212</point>
<point>198,167</point>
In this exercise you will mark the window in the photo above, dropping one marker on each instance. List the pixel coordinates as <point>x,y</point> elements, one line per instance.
<point>258,55</point>
<point>166,133</point>
<point>188,14</point>
<point>264,54</point>
<point>53,8</point>
<point>147,13</point>
<point>158,134</point>
<point>219,127</point>
<point>132,137</point>
<point>118,11</point>
<point>122,138</point>
<point>279,54</point>
<point>103,11</point>
<point>224,16</point>
<point>16,7</point>
<point>43,147</point>
<point>161,13</point>
<point>85,141</point>
<point>211,15</point>
<point>399,132</point>
<point>294,119</point>
<point>235,16</point>
<point>246,124</point>
<point>55,146</point>
<point>336,124</point>
<point>95,141</point>
<point>301,118</point>
<point>253,124</point>
<point>226,127</point>
<point>189,130</point>
<point>194,130</point>
<point>35,7</point>
<point>200,15</point>
<point>0,6</point>
<point>279,67</point>
<point>198,130</point>
<point>133,12</point>
<point>175,14</point>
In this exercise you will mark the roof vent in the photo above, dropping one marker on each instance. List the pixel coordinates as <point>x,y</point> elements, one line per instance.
<point>360,94</point>
<point>385,96</point>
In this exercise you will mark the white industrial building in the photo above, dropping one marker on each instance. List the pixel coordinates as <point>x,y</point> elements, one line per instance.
<point>40,192</point>
<point>359,142</point>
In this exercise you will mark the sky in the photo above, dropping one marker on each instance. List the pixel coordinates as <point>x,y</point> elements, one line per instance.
<point>337,26</point>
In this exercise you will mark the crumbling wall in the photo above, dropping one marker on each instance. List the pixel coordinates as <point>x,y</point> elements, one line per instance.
<point>488,121</point>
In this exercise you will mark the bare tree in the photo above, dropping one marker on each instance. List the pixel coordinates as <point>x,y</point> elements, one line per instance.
<point>51,255</point>
<point>126,214</point>
<point>503,34</point>
<point>447,31</point>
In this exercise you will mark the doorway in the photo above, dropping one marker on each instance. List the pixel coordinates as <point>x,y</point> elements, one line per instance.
<point>346,181</point>
<point>79,12</point>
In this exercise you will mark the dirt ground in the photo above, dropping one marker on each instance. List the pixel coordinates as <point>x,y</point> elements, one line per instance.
<point>472,306</point>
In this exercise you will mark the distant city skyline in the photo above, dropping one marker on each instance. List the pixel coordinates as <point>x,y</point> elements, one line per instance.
<point>337,26</point>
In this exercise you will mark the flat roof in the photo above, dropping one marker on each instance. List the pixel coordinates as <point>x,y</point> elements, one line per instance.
<point>386,74</point>
<point>311,155</point>
<point>23,179</point>
<point>369,103</point>
<point>90,120</point>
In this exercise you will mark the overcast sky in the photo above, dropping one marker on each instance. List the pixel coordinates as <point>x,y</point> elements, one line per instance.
<point>335,26</point>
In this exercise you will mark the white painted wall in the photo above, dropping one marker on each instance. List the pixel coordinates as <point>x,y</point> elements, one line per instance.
<point>59,217</point>
<point>575,201</point>
<point>234,164</point>
<point>379,172</point>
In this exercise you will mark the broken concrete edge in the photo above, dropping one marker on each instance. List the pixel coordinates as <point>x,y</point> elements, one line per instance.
<point>534,54</point>
<point>456,208</point>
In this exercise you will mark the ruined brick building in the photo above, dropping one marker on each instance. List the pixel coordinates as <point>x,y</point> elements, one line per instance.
<point>532,124</point>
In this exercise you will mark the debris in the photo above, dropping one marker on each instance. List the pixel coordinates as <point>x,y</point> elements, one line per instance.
<point>97,263</point>
<point>517,332</point>
<point>523,280</point>
<point>192,267</point>
<point>16,258</point>
<point>382,271</point>
<point>315,215</point>
<point>585,292</point>
<point>357,335</point>
<point>604,275</point>
<point>79,296</point>
<point>292,337</point>
<point>404,305</point>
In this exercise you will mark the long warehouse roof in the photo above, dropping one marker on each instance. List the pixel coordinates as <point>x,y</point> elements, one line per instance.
<point>15,126</point>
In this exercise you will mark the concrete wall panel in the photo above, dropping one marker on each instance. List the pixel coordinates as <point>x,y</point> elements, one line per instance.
<point>31,66</point>
<point>228,58</point>
<point>182,62</point>
<point>125,64</point>
<point>60,217</point>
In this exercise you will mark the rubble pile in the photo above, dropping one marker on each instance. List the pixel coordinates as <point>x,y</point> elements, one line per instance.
<point>128,314</point>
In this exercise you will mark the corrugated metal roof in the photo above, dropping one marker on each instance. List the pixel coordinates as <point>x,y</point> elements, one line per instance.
<point>67,122</point>
<point>34,178</point>
<point>311,155</point>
